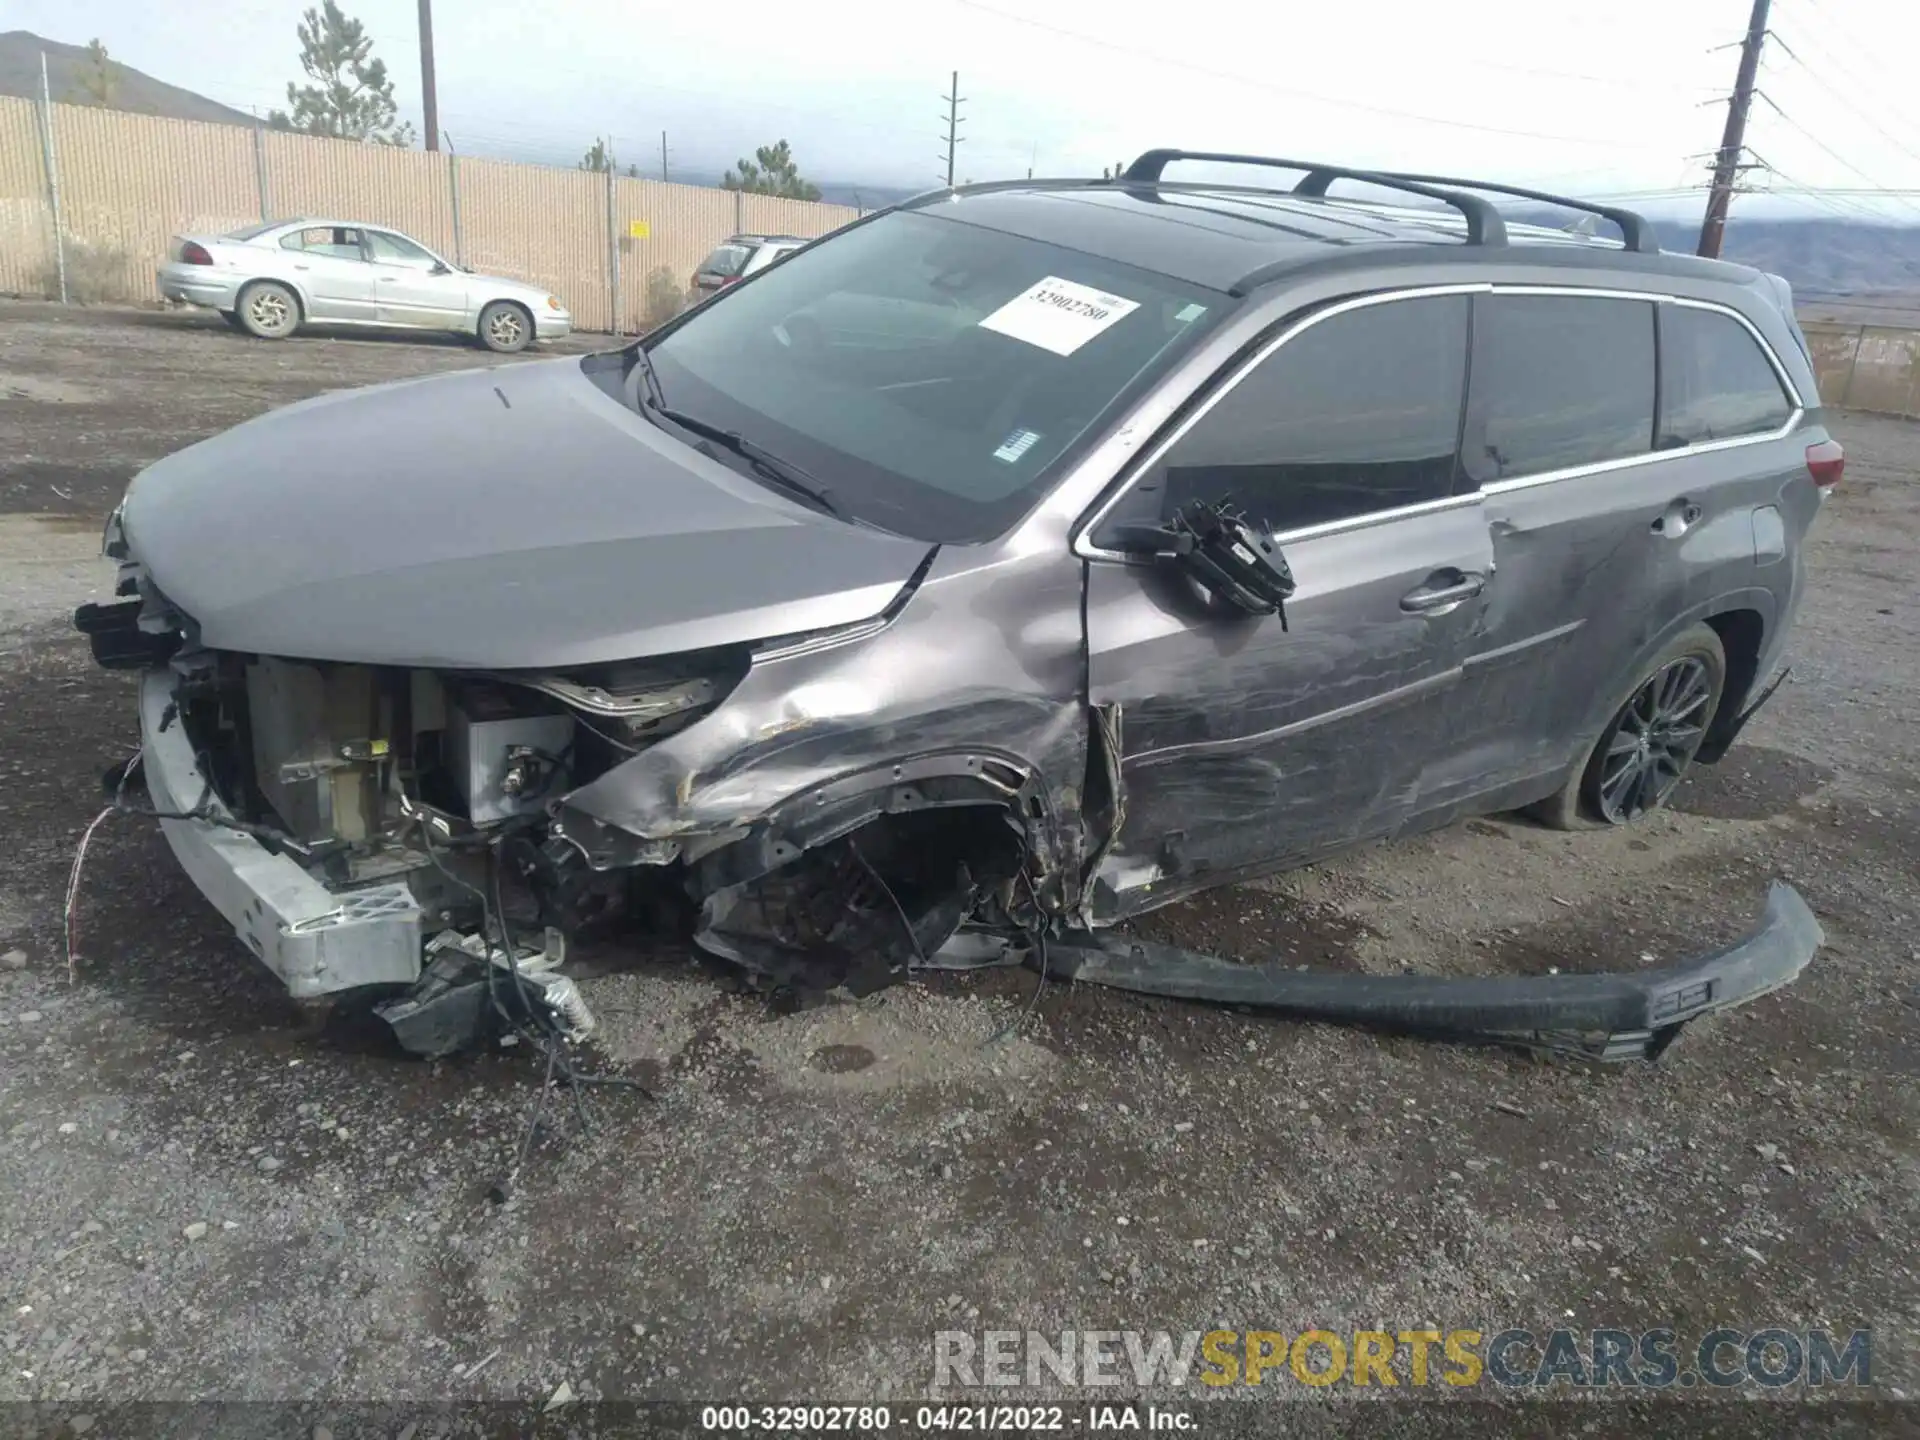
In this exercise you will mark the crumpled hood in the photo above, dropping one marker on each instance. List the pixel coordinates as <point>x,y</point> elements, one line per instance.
<point>502,518</point>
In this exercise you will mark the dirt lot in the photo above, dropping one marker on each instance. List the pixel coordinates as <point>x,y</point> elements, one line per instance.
<point>794,1219</point>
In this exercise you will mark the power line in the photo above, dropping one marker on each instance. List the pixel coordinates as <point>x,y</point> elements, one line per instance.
<point>1342,101</point>
<point>1825,148</point>
<point>1832,25</point>
<point>1839,95</point>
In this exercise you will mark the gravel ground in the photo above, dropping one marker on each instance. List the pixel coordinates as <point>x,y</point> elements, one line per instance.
<point>211,1200</point>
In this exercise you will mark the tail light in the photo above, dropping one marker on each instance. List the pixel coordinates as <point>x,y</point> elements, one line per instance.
<point>1825,461</point>
<point>194,254</point>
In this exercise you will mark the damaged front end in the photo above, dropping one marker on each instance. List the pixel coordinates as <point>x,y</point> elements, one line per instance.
<point>417,832</point>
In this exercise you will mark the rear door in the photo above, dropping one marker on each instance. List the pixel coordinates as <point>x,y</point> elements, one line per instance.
<point>1615,511</point>
<point>406,288</point>
<point>331,264</point>
<point>1246,745</point>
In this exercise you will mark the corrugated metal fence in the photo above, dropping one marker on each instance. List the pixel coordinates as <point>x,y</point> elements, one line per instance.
<point>129,182</point>
<point>1867,367</point>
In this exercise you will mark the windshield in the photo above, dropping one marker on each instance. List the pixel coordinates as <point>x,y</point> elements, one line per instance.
<point>928,373</point>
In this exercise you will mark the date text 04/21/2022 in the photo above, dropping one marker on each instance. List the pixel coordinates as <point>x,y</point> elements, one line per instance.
<point>963,1419</point>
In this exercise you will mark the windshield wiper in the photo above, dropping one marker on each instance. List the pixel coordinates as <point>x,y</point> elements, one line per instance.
<point>782,472</point>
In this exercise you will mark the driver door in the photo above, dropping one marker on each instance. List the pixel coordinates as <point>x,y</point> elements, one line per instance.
<point>1246,745</point>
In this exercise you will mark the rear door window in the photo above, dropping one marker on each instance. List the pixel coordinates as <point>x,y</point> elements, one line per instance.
<point>1358,414</point>
<point>1558,381</point>
<point>339,241</point>
<point>1715,381</point>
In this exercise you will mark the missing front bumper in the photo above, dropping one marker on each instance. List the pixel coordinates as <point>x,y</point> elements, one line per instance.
<point>1601,1017</point>
<point>318,941</point>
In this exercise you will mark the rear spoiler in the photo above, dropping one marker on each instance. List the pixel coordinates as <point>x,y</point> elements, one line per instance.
<point>1782,294</point>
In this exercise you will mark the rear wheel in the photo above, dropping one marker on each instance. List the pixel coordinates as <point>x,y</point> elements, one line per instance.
<point>1645,748</point>
<point>505,327</point>
<point>268,309</point>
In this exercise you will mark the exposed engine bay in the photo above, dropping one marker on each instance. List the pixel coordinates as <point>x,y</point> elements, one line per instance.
<point>423,801</point>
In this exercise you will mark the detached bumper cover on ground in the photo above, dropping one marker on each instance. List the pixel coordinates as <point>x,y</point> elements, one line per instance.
<point>1605,1017</point>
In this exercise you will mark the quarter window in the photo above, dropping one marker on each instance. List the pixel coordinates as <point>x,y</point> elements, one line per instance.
<point>1357,414</point>
<point>1558,381</point>
<point>1715,382</point>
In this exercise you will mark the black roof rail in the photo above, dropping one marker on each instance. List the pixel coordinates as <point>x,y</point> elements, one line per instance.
<point>1634,228</point>
<point>1484,225</point>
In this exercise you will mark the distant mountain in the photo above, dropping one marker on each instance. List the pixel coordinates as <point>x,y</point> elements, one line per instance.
<point>134,90</point>
<point>1817,257</point>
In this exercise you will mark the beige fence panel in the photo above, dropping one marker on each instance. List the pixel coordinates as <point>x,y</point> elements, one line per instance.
<point>1833,348</point>
<point>26,218</point>
<point>769,215</point>
<point>668,229</point>
<point>130,182</point>
<point>410,190</point>
<point>539,224</point>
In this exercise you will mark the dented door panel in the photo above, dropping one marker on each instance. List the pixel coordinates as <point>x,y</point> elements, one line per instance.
<point>1247,746</point>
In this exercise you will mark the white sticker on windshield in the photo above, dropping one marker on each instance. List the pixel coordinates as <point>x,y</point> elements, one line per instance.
<point>1017,444</point>
<point>1189,313</point>
<point>1059,315</point>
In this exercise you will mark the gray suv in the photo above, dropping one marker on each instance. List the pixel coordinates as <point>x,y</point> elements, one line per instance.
<point>1010,563</point>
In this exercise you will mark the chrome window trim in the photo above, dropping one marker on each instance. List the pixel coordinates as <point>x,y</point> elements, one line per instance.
<point>1084,547</point>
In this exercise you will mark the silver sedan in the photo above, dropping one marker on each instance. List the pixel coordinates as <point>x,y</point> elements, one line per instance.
<point>274,279</point>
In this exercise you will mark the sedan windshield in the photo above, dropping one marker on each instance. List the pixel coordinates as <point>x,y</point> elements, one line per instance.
<point>929,374</point>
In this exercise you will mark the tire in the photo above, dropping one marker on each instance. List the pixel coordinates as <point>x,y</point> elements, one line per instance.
<point>506,327</point>
<point>1644,749</point>
<point>268,310</point>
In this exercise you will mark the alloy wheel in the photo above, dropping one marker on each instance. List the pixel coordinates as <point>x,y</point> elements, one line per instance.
<point>505,328</point>
<point>1653,739</point>
<point>268,309</point>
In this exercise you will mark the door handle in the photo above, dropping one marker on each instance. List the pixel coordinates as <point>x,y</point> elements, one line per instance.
<point>1678,518</point>
<point>303,267</point>
<point>388,279</point>
<point>1442,591</point>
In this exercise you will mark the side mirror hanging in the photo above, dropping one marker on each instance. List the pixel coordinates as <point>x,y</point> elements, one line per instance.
<point>1229,558</point>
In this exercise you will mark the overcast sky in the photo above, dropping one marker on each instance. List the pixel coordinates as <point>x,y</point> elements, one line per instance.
<point>1598,98</point>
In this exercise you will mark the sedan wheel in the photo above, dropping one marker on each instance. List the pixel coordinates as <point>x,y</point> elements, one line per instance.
<point>1652,740</point>
<point>269,311</point>
<point>505,327</point>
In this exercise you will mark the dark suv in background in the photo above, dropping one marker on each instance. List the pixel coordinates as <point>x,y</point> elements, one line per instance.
<point>1002,566</point>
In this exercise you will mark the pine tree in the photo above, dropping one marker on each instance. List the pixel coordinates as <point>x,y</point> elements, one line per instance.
<point>352,98</point>
<point>771,172</point>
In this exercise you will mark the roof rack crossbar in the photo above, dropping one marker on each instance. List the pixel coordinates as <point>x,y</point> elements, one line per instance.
<point>1484,225</point>
<point>1634,229</point>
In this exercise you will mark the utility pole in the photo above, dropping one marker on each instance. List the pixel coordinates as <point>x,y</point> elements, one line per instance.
<point>429,99</point>
<point>1726,164</point>
<point>953,97</point>
<point>663,156</point>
